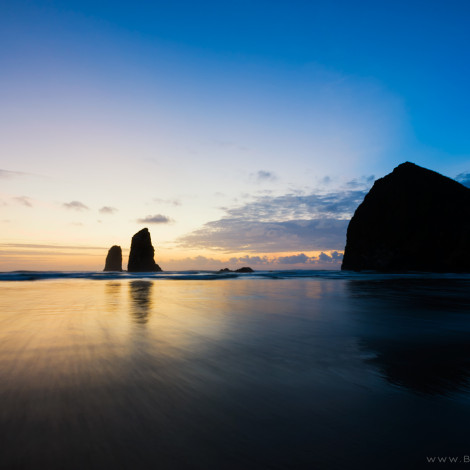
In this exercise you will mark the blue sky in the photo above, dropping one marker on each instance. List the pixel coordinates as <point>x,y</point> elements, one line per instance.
<point>210,118</point>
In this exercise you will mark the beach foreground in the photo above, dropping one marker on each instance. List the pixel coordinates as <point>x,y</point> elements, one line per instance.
<point>236,373</point>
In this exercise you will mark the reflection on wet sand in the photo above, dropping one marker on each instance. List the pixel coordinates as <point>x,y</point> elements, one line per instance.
<point>423,366</point>
<point>113,294</point>
<point>141,300</point>
<point>232,374</point>
<point>417,332</point>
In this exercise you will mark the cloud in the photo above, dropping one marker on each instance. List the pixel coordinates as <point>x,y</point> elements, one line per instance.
<point>198,262</point>
<point>301,258</point>
<point>155,219</point>
<point>291,222</point>
<point>266,237</point>
<point>23,200</point>
<point>55,247</point>
<point>360,182</point>
<point>203,262</point>
<point>9,174</point>
<point>334,258</point>
<point>463,178</point>
<point>324,260</point>
<point>337,205</point>
<point>229,145</point>
<point>263,175</point>
<point>76,206</point>
<point>256,260</point>
<point>172,202</point>
<point>107,210</point>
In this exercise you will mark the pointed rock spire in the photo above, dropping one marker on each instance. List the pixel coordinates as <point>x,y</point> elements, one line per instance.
<point>142,253</point>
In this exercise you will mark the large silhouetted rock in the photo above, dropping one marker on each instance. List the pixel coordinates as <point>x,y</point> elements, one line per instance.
<point>413,219</point>
<point>141,254</point>
<point>114,259</point>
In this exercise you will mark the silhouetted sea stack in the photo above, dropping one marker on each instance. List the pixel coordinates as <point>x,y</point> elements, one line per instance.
<point>413,219</point>
<point>141,254</point>
<point>114,259</point>
<point>245,269</point>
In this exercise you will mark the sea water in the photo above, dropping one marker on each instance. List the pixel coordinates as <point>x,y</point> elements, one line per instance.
<point>197,370</point>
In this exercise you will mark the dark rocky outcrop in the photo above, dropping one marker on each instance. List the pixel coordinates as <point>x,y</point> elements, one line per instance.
<point>413,219</point>
<point>245,269</point>
<point>114,259</point>
<point>142,253</point>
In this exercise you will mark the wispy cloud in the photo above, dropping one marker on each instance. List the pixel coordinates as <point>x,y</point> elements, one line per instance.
<point>291,222</point>
<point>107,210</point>
<point>231,235</point>
<point>463,178</point>
<point>172,202</point>
<point>10,174</point>
<point>53,246</point>
<point>323,258</point>
<point>358,183</point>
<point>155,219</point>
<point>23,200</point>
<point>76,206</point>
<point>229,145</point>
<point>263,175</point>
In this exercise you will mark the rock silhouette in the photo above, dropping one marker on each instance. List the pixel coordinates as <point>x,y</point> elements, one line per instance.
<point>142,253</point>
<point>413,219</point>
<point>113,259</point>
<point>245,269</point>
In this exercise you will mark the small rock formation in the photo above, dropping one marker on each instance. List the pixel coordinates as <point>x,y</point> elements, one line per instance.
<point>142,253</point>
<point>114,259</point>
<point>413,219</point>
<point>245,269</point>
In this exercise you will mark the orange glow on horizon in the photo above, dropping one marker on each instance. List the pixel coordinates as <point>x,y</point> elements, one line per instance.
<point>93,259</point>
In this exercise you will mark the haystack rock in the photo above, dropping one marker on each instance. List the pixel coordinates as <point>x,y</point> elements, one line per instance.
<point>413,219</point>
<point>114,259</point>
<point>142,253</point>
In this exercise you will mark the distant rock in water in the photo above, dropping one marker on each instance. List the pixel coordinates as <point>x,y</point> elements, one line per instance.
<point>413,219</point>
<point>114,259</point>
<point>142,253</point>
<point>245,269</point>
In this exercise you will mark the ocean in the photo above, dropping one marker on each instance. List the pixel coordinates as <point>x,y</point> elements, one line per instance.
<point>199,370</point>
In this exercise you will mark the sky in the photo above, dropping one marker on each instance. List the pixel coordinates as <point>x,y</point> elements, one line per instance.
<point>239,132</point>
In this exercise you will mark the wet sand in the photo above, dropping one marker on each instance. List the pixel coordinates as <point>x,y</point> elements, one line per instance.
<point>236,374</point>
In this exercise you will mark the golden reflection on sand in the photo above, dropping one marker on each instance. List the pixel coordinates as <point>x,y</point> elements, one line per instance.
<point>88,331</point>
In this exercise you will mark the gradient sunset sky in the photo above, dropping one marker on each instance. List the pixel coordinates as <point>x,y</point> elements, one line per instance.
<point>239,132</point>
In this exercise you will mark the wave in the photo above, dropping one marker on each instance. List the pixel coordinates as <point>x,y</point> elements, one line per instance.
<point>214,275</point>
